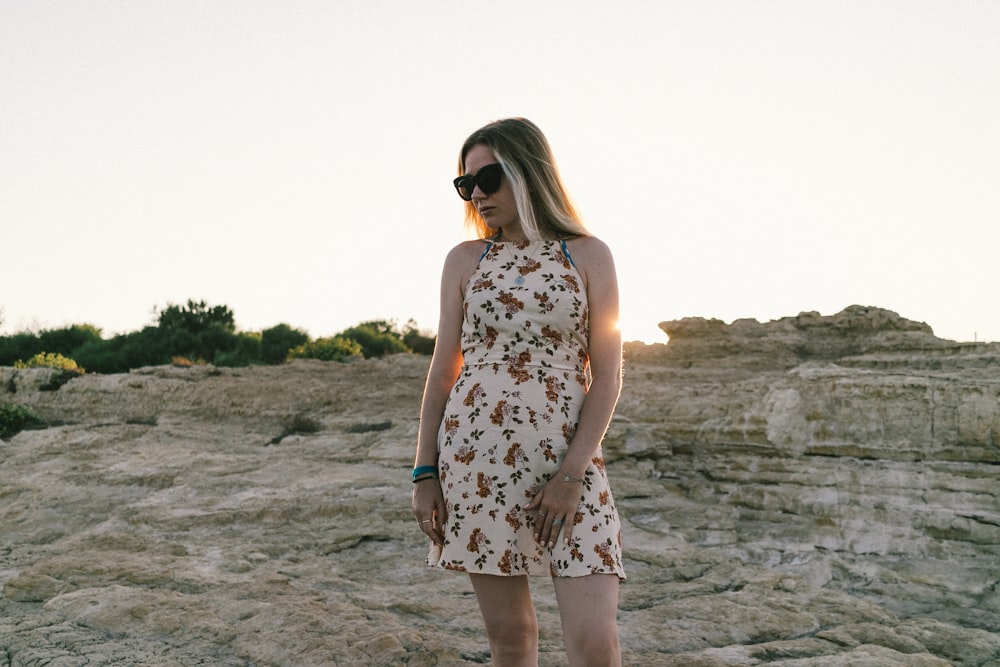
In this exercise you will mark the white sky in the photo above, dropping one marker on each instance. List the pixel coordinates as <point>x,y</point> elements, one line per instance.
<point>293,160</point>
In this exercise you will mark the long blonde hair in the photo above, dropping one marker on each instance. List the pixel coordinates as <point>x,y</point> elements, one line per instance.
<point>523,152</point>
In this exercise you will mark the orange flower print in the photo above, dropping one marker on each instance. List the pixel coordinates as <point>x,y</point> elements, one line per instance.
<point>485,485</point>
<point>514,454</point>
<point>605,498</point>
<point>500,413</point>
<point>516,367</point>
<point>511,304</point>
<point>465,455</point>
<point>513,518</point>
<point>604,551</point>
<point>530,266</point>
<point>569,430</point>
<point>598,462</point>
<point>451,425</point>
<point>476,539</point>
<point>544,301</point>
<point>475,393</point>
<point>552,387</point>
<point>504,564</point>
<point>482,284</point>
<point>491,337</point>
<point>552,335</point>
<point>570,280</point>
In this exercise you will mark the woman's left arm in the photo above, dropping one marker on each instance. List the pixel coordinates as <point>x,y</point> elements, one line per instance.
<point>557,501</point>
<point>605,348</point>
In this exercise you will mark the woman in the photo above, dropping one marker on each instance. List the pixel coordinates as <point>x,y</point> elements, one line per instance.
<point>509,479</point>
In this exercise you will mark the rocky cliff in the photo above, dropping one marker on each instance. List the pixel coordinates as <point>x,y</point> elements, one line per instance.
<point>810,491</point>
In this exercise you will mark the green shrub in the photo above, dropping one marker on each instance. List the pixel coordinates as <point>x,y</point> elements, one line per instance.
<point>241,349</point>
<point>67,340</point>
<point>417,341</point>
<point>276,342</point>
<point>64,341</point>
<point>335,348</point>
<point>18,346</point>
<point>16,418</point>
<point>196,317</point>
<point>377,338</point>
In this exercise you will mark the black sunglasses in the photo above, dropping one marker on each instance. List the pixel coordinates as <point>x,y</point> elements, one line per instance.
<point>487,178</point>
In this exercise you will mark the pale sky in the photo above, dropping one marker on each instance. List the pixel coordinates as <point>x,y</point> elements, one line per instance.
<point>293,160</point>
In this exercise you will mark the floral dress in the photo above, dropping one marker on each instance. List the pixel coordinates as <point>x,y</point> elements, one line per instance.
<point>511,416</point>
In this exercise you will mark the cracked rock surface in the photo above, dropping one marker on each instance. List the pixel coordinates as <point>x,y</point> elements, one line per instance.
<point>808,492</point>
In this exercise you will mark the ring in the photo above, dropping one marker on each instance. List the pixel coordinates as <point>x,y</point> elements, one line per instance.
<point>426,521</point>
<point>543,514</point>
<point>557,522</point>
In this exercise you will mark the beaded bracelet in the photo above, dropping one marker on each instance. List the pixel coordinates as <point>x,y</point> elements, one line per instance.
<point>424,472</point>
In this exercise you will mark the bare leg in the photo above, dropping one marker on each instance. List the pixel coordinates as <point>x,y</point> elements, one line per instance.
<point>509,615</point>
<point>588,607</point>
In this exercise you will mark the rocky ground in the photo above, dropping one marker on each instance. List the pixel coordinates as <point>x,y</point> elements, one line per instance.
<point>811,491</point>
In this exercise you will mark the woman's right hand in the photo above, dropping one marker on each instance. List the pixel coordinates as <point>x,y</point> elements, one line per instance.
<point>429,509</point>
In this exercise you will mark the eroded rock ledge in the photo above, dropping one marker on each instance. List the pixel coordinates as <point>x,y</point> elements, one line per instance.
<point>811,491</point>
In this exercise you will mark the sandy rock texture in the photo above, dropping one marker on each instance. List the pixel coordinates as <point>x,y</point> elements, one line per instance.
<point>805,492</point>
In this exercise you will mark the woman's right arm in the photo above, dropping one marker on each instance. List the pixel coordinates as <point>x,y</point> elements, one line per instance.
<point>446,363</point>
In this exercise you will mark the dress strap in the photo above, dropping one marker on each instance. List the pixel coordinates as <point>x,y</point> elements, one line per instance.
<point>565,252</point>
<point>489,244</point>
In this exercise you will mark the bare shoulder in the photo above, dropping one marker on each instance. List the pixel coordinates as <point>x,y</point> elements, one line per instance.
<point>591,255</point>
<point>463,259</point>
<point>467,250</point>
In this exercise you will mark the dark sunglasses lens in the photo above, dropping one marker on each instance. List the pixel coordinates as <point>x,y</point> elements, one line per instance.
<point>489,178</point>
<point>465,185</point>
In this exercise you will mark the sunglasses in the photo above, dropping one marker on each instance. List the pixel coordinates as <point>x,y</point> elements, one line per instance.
<point>487,178</point>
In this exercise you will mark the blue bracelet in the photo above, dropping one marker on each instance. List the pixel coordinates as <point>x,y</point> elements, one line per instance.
<point>423,470</point>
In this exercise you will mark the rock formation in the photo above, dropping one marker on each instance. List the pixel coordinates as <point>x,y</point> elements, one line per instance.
<point>810,491</point>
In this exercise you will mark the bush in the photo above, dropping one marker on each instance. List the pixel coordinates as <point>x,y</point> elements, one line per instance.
<point>417,341</point>
<point>201,333</point>
<point>19,346</point>
<point>66,369</point>
<point>242,349</point>
<point>50,360</point>
<point>278,341</point>
<point>377,338</point>
<point>69,339</point>
<point>64,341</point>
<point>148,347</point>
<point>196,317</point>
<point>335,348</point>
<point>16,418</point>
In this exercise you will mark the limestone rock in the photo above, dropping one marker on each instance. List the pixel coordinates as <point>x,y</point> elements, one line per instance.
<point>815,491</point>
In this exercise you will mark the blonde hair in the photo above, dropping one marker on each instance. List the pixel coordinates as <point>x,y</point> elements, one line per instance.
<point>523,152</point>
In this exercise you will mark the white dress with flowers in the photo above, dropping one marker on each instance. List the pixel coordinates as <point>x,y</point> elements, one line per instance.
<point>511,416</point>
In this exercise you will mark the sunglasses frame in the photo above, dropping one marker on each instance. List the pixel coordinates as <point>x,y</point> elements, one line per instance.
<point>468,182</point>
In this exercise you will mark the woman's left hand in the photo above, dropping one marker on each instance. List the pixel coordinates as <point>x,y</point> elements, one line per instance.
<point>556,505</point>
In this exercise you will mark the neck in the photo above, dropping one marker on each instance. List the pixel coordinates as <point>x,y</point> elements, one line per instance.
<point>516,234</point>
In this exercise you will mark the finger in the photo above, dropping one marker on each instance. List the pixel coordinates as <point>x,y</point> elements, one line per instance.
<point>541,516</point>
<point>557,525</point>
<point>568,532</point>
<point>534,502</point>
